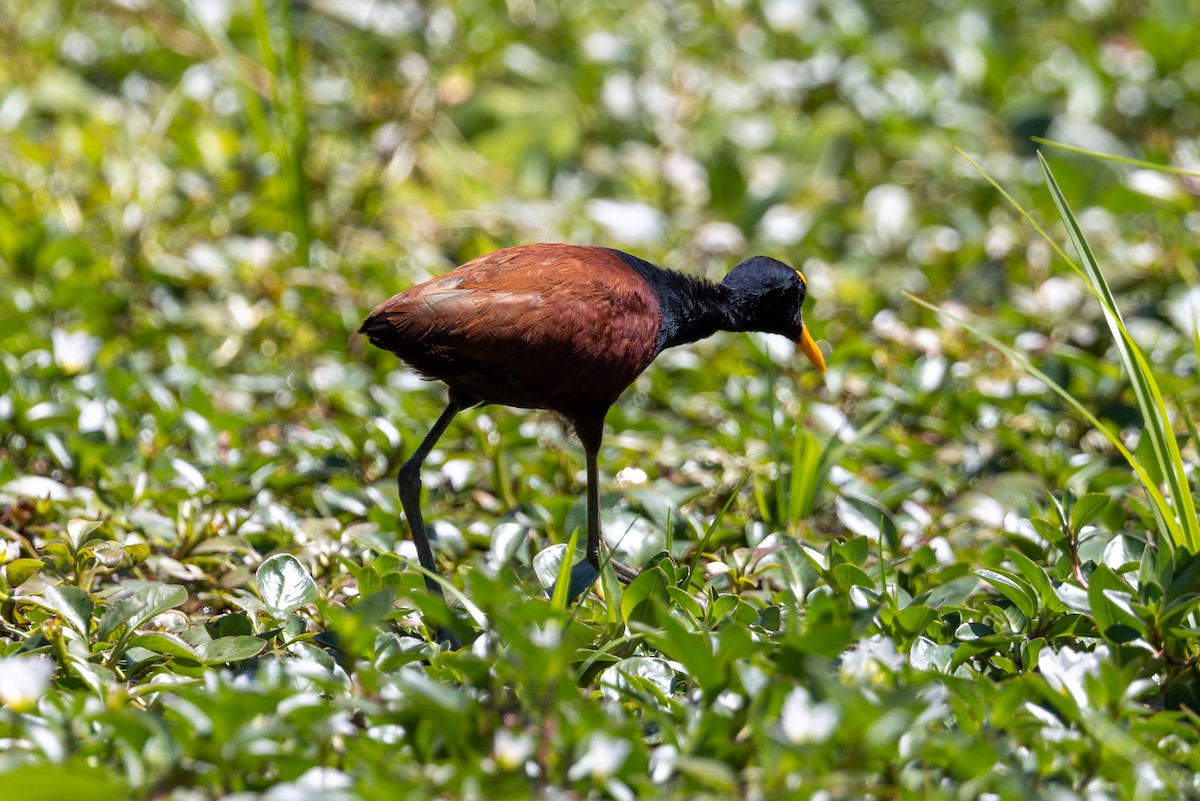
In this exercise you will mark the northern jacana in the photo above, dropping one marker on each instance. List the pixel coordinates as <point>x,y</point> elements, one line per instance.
<point>567,328</point>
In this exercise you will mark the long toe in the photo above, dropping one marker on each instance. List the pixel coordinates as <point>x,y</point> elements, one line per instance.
<point>625,573</point>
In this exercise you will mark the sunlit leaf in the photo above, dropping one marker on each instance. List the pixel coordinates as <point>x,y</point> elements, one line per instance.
<point>285,584</point>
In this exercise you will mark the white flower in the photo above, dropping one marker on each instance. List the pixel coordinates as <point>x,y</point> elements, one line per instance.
<point>604,756</point>
<point>630,221</point>
<point>23,680</point>
<point>1068,669</point>
<point>630,477</point>
<point>324,779</point>
<point>9,551</point>
<point>74,351</point>
<point>662,763</point>
<point>806,722</point>
<point>866,663</point>
<point>315,784</point>
<point>512,749</point>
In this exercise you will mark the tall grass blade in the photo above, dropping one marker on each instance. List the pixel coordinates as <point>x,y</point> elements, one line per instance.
<point>247,90</point>
<point>1148,165</point>
<point>1168,521</point>
<point>1149,398</point>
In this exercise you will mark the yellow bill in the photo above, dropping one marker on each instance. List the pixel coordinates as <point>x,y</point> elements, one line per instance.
<point>808,347</point>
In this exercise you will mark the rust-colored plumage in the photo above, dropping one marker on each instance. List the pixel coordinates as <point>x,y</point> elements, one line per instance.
<point>540,327</point>
<point>567,328</point>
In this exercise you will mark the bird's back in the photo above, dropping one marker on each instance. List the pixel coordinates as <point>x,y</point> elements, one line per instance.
<point>559,327</point>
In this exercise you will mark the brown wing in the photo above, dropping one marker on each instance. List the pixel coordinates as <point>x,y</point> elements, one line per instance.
<point>557,327</point>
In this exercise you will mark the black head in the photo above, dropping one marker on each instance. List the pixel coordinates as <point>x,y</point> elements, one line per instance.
<point>767,295</point>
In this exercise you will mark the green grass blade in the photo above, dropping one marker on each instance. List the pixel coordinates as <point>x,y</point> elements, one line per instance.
<point>815,470</point>
<point>559,598</point>
<point>251,102</point>
<point>708,534</point>
<point>295,116</point>
<point>291,144</point>
<point>804,480</point>
<point>1148,165</point>
<point>1157,501</point>
<point>1149,398</point>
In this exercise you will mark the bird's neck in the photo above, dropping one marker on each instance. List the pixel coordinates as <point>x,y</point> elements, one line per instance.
<point>692,308</point>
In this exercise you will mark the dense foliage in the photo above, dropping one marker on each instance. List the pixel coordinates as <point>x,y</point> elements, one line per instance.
<point>931,575</point>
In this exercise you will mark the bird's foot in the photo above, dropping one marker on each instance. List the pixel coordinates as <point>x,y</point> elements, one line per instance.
<point>625,573</point>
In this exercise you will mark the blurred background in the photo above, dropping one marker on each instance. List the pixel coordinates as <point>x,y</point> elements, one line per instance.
<point>199,201</point>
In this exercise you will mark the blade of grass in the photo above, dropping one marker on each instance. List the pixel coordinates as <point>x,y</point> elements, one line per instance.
<point>774,446</point>
<point>251,101</point>
<point>708,535</point>
<point>1149,165</point>
<point>803,483</point>
<point>561,585</point>
<point>805,487</point>
<point>1149,398</point>
<point>1169,523</point>
<point>291,97</point>
<point>287,139</point>
<point>1162,510</point>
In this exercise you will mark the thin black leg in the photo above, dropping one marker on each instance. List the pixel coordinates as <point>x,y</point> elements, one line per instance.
<point>410,500</point>
<point>593,508</point>
<point>584,574</point>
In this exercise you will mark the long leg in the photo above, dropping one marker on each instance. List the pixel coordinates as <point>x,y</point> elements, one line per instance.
<point>593,508</point>
<point>585,573</point>
<point>410,492</point>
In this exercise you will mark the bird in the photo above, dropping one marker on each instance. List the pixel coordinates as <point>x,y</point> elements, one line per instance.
<point>566,328</point>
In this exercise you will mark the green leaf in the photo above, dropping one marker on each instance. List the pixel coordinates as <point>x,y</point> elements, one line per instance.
<point>138,552</point>
<point>620,679</point>
<point>914,619</point>
<point>18,571</point>
<point>713,775</point>
<point>952,593</point>
<point>690,649</point>
<point>799,570</point>
<point>41,782</point>
<point>733,643</point>
<point>1035,574</point>
<point>847,575</point>
<point>1052,533</point>
<point>369,582</point>
<point>868,519</point>
<point>683,600</point>
<point>925,654</point>
<point>559,598</point>
<point>1014,588</point>
<point>72,604</point>
<point>285,584</point>
<point>1087,509</point>
<point>1110,598</point>
<point>637,601</point>
<point>230,649</point>
<point>80,531</point>
<point>161,642</point>
<point>972,630</point>
<point>1074,597</point>
<point>132,609</point>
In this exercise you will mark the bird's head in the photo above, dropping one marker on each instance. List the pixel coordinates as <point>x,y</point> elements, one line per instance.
<point>769,294</point>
